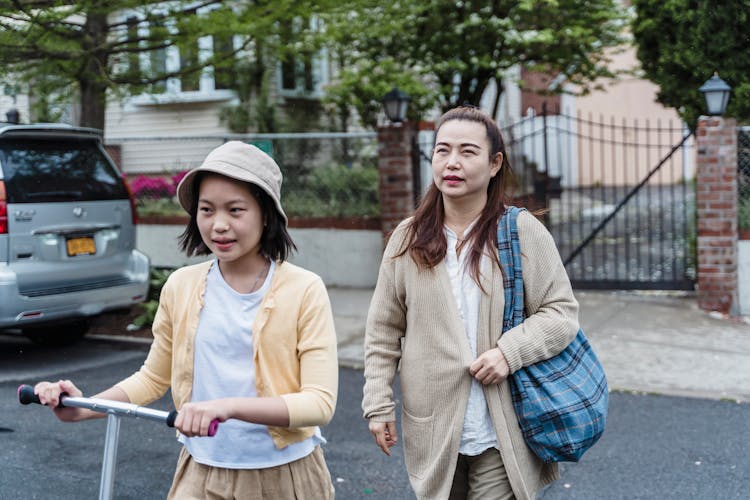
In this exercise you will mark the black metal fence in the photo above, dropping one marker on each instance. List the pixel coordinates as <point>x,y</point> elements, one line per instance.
<point>620,197</point>
<point>743,178</point>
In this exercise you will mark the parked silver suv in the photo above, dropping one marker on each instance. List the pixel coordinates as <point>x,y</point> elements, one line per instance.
<point>67,232</point>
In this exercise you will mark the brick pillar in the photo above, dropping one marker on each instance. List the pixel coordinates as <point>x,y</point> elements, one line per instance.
<point>396,186</point>
<point>115,152</point>
<point>716,204</point>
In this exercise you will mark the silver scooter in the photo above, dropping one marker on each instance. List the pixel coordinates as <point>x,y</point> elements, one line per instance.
<point>114,410</point>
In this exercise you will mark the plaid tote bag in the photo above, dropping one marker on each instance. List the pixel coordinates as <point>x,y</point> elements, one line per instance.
<point>561,403</point>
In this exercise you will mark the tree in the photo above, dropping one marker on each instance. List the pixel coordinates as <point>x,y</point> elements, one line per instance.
<point>449,51</point>
<point>681,43</point>
<point>87,50</point>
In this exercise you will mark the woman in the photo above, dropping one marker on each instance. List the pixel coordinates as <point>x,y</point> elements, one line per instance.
<point>438,311</point>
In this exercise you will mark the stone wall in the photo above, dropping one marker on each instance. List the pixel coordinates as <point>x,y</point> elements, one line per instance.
<point>341,257</point>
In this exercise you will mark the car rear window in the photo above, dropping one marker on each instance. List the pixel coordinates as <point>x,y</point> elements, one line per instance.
<point>53,170</point>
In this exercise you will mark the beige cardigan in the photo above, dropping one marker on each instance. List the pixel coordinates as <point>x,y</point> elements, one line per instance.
<point>294,347</point>
<point>413,318</point>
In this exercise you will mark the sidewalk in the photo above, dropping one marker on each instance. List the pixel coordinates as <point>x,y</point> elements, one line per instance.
<point>648,342</point>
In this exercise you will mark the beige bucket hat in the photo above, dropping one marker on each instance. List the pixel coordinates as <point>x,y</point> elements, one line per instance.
<point>240,161</point>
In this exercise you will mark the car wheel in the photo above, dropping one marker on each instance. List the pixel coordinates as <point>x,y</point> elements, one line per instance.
<point>58,335</point>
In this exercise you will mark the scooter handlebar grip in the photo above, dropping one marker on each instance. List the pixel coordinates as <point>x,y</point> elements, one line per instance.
<point>26,395</point>
<point>213,427</point>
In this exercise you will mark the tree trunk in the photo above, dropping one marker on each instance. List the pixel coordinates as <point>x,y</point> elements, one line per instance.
<point>93,104</point>
<point>499,88</point>
<point>92,79</point>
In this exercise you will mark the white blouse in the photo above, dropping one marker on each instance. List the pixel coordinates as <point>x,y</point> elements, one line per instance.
<point>478,433</point>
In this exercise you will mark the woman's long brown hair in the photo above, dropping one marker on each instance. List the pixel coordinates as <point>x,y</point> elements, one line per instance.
<point>425,240</point>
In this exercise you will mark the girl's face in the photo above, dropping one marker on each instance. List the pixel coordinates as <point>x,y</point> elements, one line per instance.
<point>461,164</point>
<point>229,219</point>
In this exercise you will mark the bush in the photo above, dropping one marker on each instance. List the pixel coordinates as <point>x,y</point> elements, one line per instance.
<point>156,281</point>
<point>336,191</point>
<point>156,195</point>
<point>144,187</point>
<point>743,212</point>
<point>162,206</point>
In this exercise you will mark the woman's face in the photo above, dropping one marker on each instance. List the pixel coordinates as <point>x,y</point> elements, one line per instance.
<point>461,164</point>
<point>229,218</point>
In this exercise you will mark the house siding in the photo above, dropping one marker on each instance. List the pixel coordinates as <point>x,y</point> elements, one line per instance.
<point>631,102</point>
<point>141,130</point>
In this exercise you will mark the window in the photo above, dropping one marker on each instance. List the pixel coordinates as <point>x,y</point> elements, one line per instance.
<point>157,62</point>
<point>297,74</point>
<point>38,171</point>
<point>131,28</point>
<point>302,74</point>
<point>189,57</point>
<point>223,77</point>
<point>205,84</point>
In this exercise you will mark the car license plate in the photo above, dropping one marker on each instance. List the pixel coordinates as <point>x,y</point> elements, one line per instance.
<point>81,246</point>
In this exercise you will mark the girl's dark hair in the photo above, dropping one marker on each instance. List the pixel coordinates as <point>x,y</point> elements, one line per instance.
<point>275,242</point>
<point>425,241</point>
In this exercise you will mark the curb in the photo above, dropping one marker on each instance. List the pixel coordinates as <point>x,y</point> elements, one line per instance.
<point>120,338</point>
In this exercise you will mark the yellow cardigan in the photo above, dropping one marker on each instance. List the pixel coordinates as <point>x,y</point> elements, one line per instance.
<point>294,347</point>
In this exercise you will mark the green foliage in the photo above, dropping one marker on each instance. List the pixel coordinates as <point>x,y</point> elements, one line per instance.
<point>743,212</point>
<point>335,192</point>
<point>449,52</point>
<point>255,110</point>
<point>156,281</point>
<point>158,206</point>
<point>681,43</point>
<point>89,49</point>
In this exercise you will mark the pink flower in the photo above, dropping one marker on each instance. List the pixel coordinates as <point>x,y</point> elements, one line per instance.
<point>151,187</point>
<point>178,177</point>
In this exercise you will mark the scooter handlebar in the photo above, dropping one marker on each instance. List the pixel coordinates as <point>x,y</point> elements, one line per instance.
<point>212,427</point>
<point>27,396</point>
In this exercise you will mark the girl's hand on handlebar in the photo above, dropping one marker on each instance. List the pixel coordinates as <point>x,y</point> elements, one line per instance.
<point>194,419</point>
<point>50,393</point>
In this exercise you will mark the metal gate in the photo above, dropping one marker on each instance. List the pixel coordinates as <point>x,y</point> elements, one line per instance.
<point>620,196</point>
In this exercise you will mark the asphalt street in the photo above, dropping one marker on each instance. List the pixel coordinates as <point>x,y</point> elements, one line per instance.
<point>655,447</point>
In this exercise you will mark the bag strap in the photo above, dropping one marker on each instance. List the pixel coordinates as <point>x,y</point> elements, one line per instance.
<point>509,252</point>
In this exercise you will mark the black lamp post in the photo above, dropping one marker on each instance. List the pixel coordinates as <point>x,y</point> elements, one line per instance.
<point>395,103</point>
<point>716,93</point>
<point>13,116</point>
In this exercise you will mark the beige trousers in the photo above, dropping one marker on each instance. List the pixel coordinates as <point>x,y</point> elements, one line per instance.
<point>482,477</point>
<point>303,479</point>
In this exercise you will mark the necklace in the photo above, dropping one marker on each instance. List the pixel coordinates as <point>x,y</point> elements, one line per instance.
<point>263,272</point>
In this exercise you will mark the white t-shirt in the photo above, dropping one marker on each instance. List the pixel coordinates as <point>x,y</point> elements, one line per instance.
<point>478,433</point>
<point>224,368</point>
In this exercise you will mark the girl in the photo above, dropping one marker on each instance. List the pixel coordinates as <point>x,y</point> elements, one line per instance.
<point>438,311</point>
<point>245,338</point>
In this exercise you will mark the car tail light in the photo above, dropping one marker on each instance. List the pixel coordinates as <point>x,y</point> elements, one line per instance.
<point>3,210</point>
<point>133,211</point>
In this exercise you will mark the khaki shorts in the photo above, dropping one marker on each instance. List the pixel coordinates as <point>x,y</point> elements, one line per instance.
<point>306,478</point>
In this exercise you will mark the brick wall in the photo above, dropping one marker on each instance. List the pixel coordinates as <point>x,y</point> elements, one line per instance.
<point>115,152</point>
<point>533,96</point>
<point>396,189</point>
<point>716,205</point>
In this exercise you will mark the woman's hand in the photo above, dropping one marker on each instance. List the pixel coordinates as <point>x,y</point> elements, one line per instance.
<point>490,367</point>
<point>385,435</point>
<point>49,395</point>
